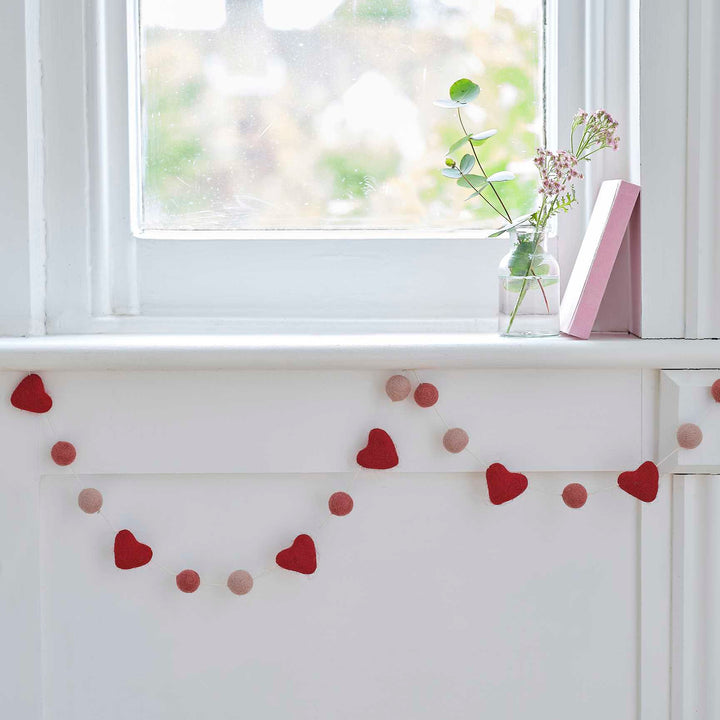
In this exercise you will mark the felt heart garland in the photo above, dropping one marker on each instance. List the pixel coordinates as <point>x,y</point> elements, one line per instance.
<point>379,453</point>
<point>642,483</point>
<point>504,485</point>
<point>129,553</point>
<point>30,395</point>
<point>300,557</point>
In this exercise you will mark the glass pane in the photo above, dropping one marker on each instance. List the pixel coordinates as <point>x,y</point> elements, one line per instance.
<point>289,114</point>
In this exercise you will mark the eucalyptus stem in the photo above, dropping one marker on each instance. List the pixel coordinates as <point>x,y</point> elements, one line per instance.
<point>479,193</point>
<point>506,215</point>
<point>523,287</point>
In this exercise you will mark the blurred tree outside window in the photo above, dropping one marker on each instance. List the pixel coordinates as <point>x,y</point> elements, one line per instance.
<point>318,114</point>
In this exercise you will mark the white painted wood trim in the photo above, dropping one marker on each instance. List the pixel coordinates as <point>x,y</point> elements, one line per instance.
<point>702,296</point>
<point>655,606</point>
<point>21,694</point>
<point>387,351</point>
<point>21,270</point>
<point>654,558</point>
<point>685,398</point>
<point>663,83</point>
<point>695,638</point>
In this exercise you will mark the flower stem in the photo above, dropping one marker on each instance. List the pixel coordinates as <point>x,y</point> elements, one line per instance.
<point>542,290</point>
<point>523,288</point>
<point>521,297</point>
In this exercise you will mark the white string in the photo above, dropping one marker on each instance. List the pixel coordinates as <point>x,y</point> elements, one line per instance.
<point>156,565</point>
<point>467,449</point>
<point>315,530</point>
<point>669,455</point>
<point>532,488</point>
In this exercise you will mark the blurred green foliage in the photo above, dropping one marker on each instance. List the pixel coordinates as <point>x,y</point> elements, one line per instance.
<point>216,157</point>
<point>376,10</point>
<point>357,174</point>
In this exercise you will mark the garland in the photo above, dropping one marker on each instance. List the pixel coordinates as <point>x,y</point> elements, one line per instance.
<point>380,453</point>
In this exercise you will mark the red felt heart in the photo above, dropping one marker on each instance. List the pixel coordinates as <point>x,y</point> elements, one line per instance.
<point>30,395</point>
<point>379,453</point>
<point>504,485</point>
<point>299,557</point>
<point>641,483</point>
<point>129,553</point>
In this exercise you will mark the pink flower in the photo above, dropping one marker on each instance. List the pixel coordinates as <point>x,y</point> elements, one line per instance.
<point>557,170</point>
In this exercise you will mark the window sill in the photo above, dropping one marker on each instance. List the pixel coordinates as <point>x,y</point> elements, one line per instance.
<point>386,351</point>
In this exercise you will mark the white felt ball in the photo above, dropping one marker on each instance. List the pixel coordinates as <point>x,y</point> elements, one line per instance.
<point>240,582</point>
<point>90,500</point>
<point>689,436</point>
<point>397,388</point>
<point>455,440</point>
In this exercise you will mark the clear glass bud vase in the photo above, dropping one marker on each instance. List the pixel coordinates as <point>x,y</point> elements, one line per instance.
<point>529,287</point>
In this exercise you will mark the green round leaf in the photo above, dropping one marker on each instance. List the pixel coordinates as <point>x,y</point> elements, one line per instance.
<point>448,103</point>
<point>483,135</point>
<point>510,226</point>
<point>476,182</point>
<point>451,172</point>
<point>466,164</point>
<point>502,176</point>
<point>464,90</point>
<point>457,144</point>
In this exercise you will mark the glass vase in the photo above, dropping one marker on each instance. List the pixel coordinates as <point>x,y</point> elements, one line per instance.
<point>529,287</point>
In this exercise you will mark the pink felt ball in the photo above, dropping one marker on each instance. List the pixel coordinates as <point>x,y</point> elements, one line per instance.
<point>455,440</point>
<point>426,395</point>
<point>574,495</point>
<point>689,436</point>
<point>340,503</point>
<point>397,388</point>
<point>188,581</point>
<point>90,500</point>
<point>715,391</point>
<point>63,453</point>
<point>240,582</point>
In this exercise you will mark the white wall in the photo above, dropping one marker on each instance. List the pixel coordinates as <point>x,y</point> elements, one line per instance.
<point>428,602</point>
<point>15,157</point>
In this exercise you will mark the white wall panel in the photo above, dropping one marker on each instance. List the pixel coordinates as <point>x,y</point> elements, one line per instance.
<point>308,421</point>
<point>685,398</point>
<point>428,602</point>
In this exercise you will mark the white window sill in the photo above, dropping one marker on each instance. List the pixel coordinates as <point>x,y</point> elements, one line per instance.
<point>387,351</point>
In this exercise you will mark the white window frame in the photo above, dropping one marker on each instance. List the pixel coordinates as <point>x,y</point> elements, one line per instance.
<point>606,50</point>
<point>102,278</point>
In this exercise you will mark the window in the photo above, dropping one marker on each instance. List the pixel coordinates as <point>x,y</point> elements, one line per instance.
<point>222,171</point>
<point>259,114</point>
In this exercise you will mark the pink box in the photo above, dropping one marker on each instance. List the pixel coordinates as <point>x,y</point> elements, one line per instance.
<point>601,244</point>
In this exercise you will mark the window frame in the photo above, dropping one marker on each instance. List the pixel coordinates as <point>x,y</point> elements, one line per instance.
<point>102,278</point>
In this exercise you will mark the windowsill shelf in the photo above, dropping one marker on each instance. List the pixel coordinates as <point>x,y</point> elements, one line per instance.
<point>386,351</point>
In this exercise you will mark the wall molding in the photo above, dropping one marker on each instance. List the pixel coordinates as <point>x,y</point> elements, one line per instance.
<point>695,595</point>
<point>702,296</point>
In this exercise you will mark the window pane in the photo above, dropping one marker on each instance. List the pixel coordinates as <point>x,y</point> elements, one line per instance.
<point>260,114</point>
